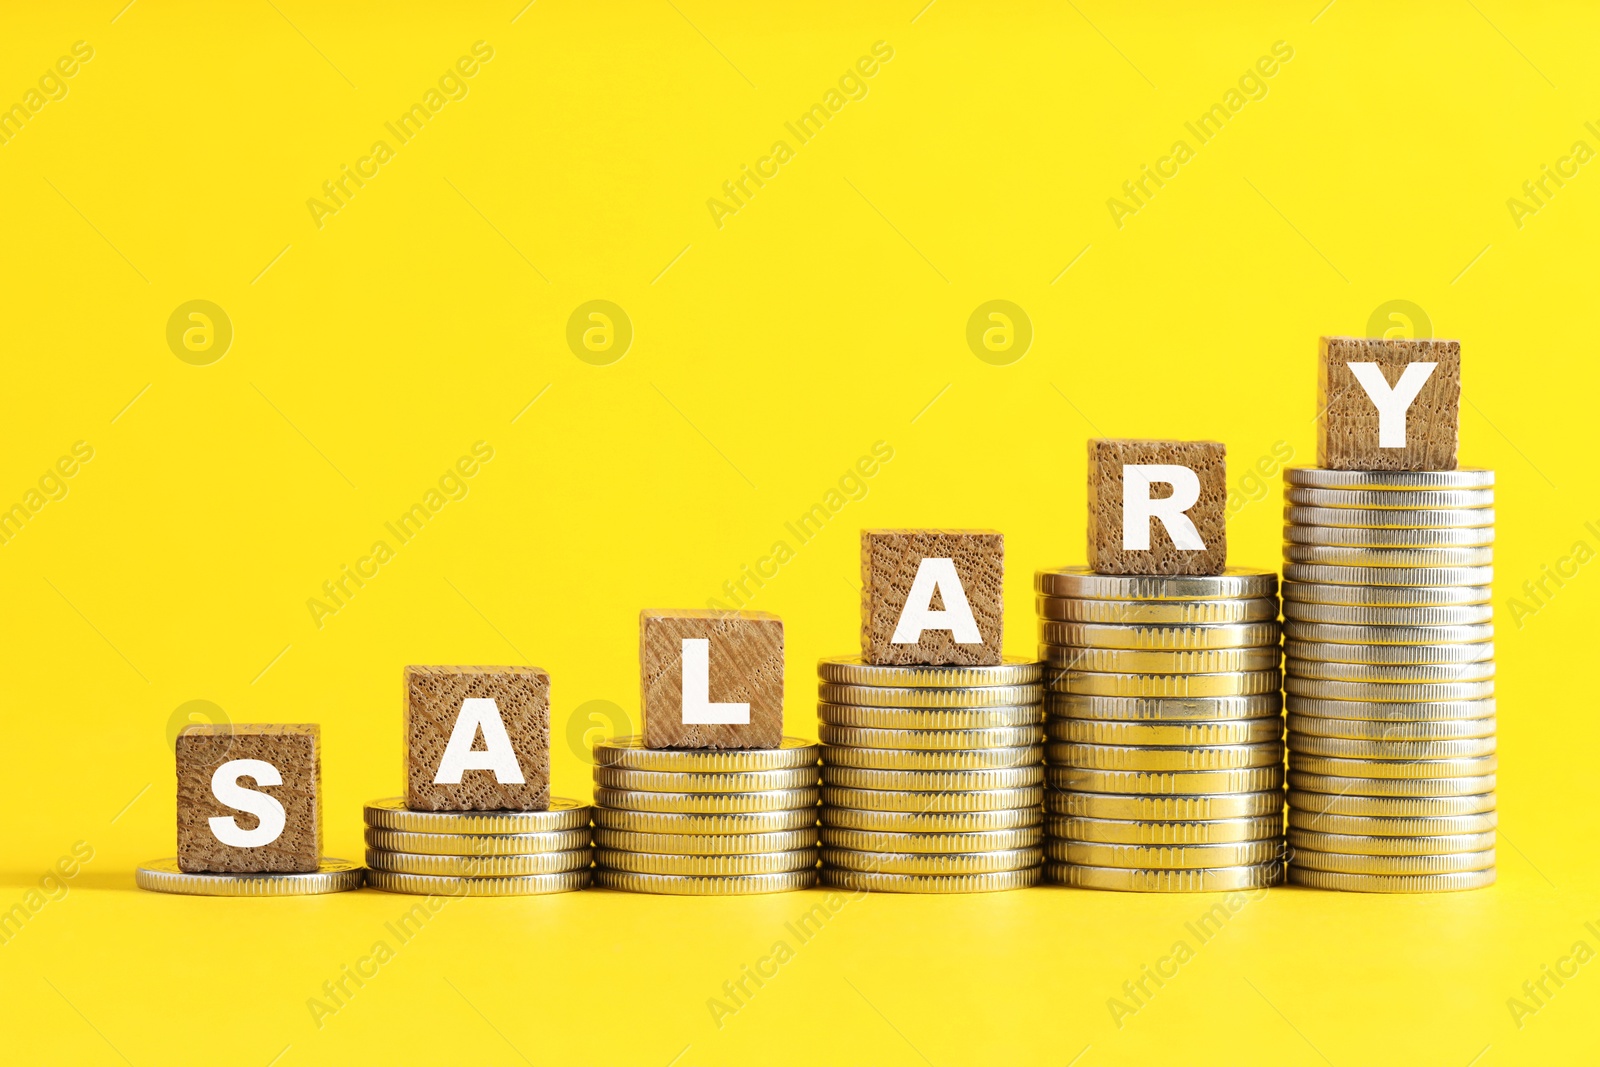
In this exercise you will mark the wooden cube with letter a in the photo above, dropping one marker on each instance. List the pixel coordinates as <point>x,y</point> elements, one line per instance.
<point>1158,507</point>
<point>1388,405</point>
<point>477,738</point>
<point>249,798</point>
<point>932,596</point>
<point>711,679</point>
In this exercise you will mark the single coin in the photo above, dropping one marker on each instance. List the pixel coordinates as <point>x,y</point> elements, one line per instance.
<point>1389,653</point>
<point>1386,596</point>
<point>1390,692</point>
<point>1136,832</point>
<point>1305,727</point>
<point>630,753</point>
<point>933,781</point>
<point>1394,768</point>
<point>1390,711</point>
<point>1196,661</point>
<point>695,886</point>
<point>1374,845</point>
<point>932,823</point>
<point>707,844</point>
<point>1385,672</point>
<point>1340,574</point>
<point>900,800</point>
<point>1001,737</point>
<point>391,814</point>
<point>849,670</point>
<point>1085,584</point>
<point>1393,537</point>
<point>882,696</point>
<point>1164,709</point>
<point>1386,499</point>
<point>897,759</point>
<point>1322,478</point>
<point>1375,826</point>
<point>576,859</point>
<point>882,882</point>
<point>1356,615</point>
<point>1346,863</point>
<point>612,859</point>
<point>1122,879</point>
<point>1165,809</point>
<point>1158,612</point>
<point>1345,748</point>
<point>709,782</point>
<point>943,844</point>
<point>707,803</point>
<point>477,844</point>
<point>1391,787</point>
<point>929,719</point>
<point>331,876</point>
<point>1236,683</point>
<point>1403,883</point>
<point>1315,634</point>
<point>1163,857</point>
<point>730,823</point>
<point>440,885</point>
<point>1386,518</point>
<point>1345,555</point>
<point>1186,734</point>
<point>1391,807</point>
<point>1147,758</point>
<point>1010,859</point>
<point>1165,783</point>
<point>1159,638</point>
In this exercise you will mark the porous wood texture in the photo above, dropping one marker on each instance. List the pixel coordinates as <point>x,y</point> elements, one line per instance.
<point>294,750</point>
<point>433,699</point>
<point>1347,423</point>
<point>889,563</point>
<point>1209,461</point>
<point>746,666</point>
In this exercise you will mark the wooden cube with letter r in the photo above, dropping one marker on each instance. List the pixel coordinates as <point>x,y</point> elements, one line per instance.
<point>249,797</point>
<point>1158,507</point>
<point>477,738</point>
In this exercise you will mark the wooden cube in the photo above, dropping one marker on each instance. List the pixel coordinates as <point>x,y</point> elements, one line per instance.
<point>1187,536</point>
<point>932,596</point>
<point>711,679</point>
<point>477,738</point>
<point>1354,434</point>
<point>229,817</point>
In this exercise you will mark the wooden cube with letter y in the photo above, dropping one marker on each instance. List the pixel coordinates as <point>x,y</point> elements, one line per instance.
<point>477,738</point>
<point>249,798</point>
<point>711,679</point>
<point>1158,507</point>
<point>932,596</point>
<point>1388,405</point>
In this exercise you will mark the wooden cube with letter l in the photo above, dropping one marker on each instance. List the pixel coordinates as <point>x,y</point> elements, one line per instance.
<point>477,738</point>
<point>249,798</point>
<point>932,596</point>
<point>711,679</point>
<point>1158,507</point>
<point>1388,405</point>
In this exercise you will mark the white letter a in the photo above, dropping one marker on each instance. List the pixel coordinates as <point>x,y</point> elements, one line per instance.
<point>479,713</point>
<point>936,573</point>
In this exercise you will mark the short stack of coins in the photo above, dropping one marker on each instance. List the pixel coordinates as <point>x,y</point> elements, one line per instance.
<point>705,821</point>
<point>1390,662</point>
<point>1164,753</point>
<point>932,776</point>
<point>478,853</point>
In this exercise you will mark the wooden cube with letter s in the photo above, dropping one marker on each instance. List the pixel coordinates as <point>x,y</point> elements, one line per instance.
<point>249,798</point>
<point>477,738</point>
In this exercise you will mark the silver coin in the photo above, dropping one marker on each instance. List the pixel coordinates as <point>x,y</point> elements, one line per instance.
<point>1184,734</point>
<point>1001,737</point>
<point>1346,556</point>
<point>936,843</point>
<point>1390,672</point>
<point>1160,638</point>
<point>1305,781</point>
<point>705,782</point>
<point>1158,612</point>
<point>706,803</point>
<point>1382,519</point>
<point>1391,711</point>
<point>1391,883</point>
<point>933,781</point>
<point>577,859</point>
<point>1388,499</point>
<point>923,863</point>
<point>1368,730</point>
<point>331,876</point>
<point>391,813</point>
<point>1388,692</point>
<point>1165,783</point>
<point>1347,748</point>
<point>1336,633</point>
<point>1083,583</point>
<point>1357,615</point>
<point>1146,758</point>
<point>706,844</point>
<point>850,670</point>
<point>1166,809</point>
<point>1391,537</point>
<point>1198,880</point>
<point>1134,832</point>
<point>1391,807</point>
<point>1348,863</point>
<point>1233,683</point>
<point>1164,709</point>
<point>1389,652</point>
<point>1391,826</point>
<point>629,753</point>
<point>1476,767</point>
<point>913,759</point>
<point>476,844</point>
<point>881,696</point>
<point>1165,857</point>
<point>1160,661</point>
<point>929,718</point>
<point>1387,596</point>
<point>1324,478</point>
<point>1343,574</point>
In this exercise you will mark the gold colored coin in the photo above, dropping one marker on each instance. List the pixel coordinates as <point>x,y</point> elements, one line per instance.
<point>391,814</point>
<point>1082,583</point>
<point>850,670</point>
<point>612,859</point>
<point>1427,807</point>
<point>727,823</point>
<point>576,859</point>
<point>1345,748</point>
<point>923,719</point>
<point>1402,883</point>
<point>1409,653</point>
<point>1357,615</point>
<point>1011,859</point>
<point>1159,638</point>
<point>438,885</point>
<point>1393,711</point>
<point>881,882</point>
<point>1128,758</point>
<point>1185,734</point>
<point>1165,857</point>
<point>1166,809</point>
<point>1134,832</point>
<point>710,782</point>
<point>1236,683</point>
<point>1346,863</point>
<point>1426,769</point>
<point>1159,661</point>
<point>1164,709</point>
<point>1390,826</point>
<point>931,823</point>
<point>1001,737</point>
<point>1388,692</point>
<point>629,753</point>
<point>477,844</point>
<point>1384,596</point>
<point>1301,781</point>
<point>1374,845</point>
<point>331,876</point>
<point>1343,574</point>
<point>707,803</point>
<point>1406,674</point>
<point>933,781</point>
<point>703,886</point>
<point>707,844</point>
<point>1166,783</point>
<point>883,696</point>
<point>898,759</point>
<point>900,800</point>
<point>1214,880</point>
<point>942,844</point>
<point>1157,612</point>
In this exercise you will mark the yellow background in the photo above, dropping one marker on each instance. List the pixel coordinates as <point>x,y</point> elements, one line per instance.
<point>769,354</point>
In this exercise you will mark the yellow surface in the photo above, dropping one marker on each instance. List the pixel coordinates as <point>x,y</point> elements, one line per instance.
<point>828,313</point>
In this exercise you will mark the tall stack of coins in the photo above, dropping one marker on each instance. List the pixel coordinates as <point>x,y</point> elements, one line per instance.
<point>705,822</point>
<point>931,776</point>
<point>1390,660</point>
<point>478,853</point>
<point>1164,757</point>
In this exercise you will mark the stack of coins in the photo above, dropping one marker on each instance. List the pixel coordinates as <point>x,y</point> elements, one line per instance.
<point>1165,730</point>
<point>705,821</point>
<point>932,776</point>
<point>478,853</point>
<point>1390,679</point>
<point>165,876</point>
